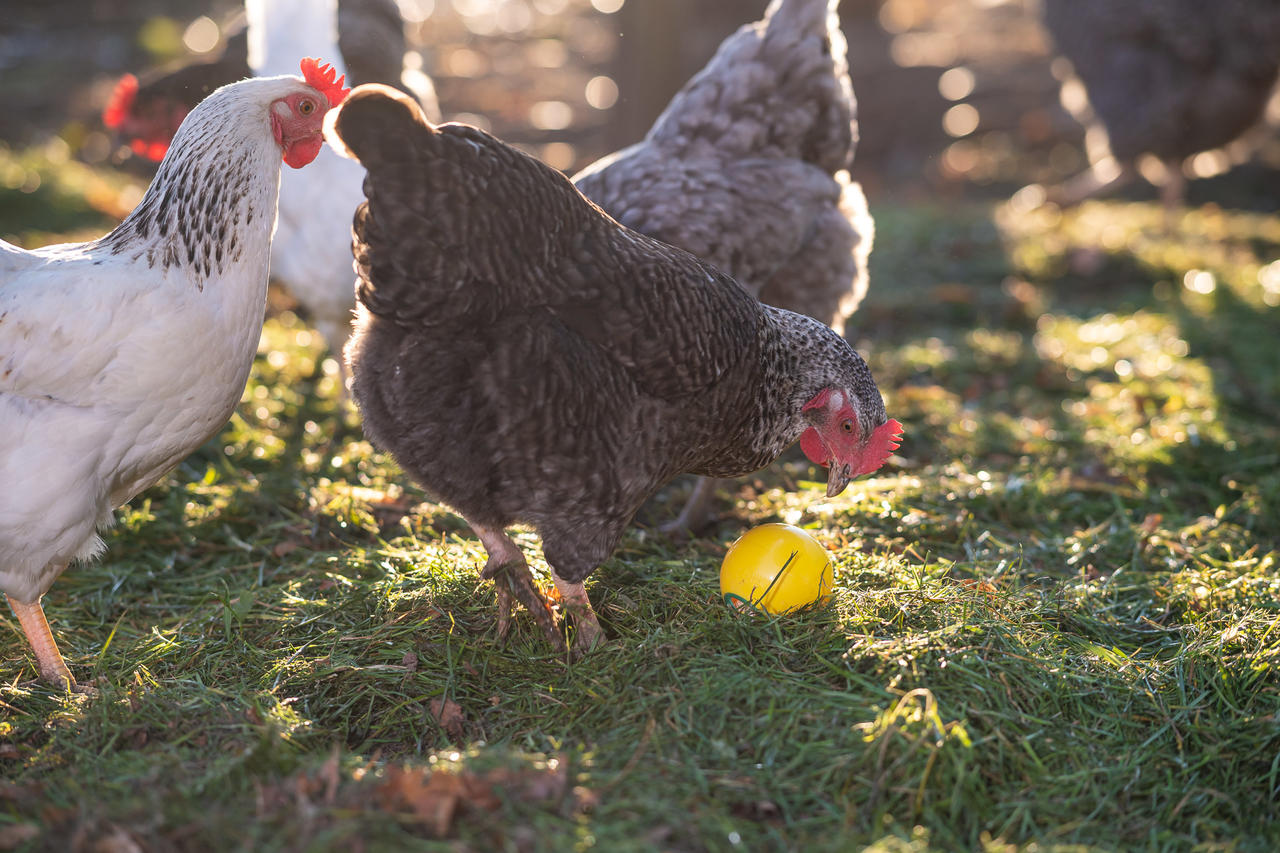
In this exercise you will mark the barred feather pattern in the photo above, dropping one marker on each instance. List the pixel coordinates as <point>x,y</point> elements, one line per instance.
<point>529,359</point>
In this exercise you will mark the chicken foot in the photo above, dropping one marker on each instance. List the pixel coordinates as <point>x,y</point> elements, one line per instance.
<point>53,668</point>
<point>509,571</point>
<point>587,631</point>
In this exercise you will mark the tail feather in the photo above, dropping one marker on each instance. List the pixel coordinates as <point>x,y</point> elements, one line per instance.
<point>799,16</point>
<point>377,124</point>
<point>455,220</point>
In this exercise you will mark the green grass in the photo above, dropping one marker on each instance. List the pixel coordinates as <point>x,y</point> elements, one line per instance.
<point>1055,624</point>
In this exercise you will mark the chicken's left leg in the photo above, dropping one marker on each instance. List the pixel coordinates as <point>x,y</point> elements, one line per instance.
<point>509,571</point>
<point>53,668</point>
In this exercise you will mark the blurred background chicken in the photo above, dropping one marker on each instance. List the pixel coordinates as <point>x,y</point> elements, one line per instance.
<point>311,252</point>
<point>529,360</point>
<point>748,168</point>
<point>1165,79</point>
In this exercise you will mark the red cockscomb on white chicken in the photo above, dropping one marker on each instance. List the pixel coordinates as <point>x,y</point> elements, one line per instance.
<point>120,356</point>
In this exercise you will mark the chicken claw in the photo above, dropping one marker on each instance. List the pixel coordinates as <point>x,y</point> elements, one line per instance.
<point>587,631</point>
<point>509,571</point>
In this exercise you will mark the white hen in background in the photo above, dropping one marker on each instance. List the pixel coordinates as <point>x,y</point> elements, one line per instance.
<point>311,254</point>
<point>120,356</point>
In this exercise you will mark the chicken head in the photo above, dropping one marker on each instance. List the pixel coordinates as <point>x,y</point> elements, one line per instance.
<point>840,439</point>
<point>297,120</point>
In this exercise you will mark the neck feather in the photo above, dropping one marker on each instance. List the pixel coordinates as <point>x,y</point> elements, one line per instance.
<point>213,198</point>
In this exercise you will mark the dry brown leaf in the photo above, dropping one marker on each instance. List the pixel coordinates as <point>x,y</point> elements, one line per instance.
<point>285,548</point>
<point>980,585</point>
<point>17,834</point>
<point>432,797</point>
<point>532,785</point>
<point>448,714</point>
<point>437,797</point>
<point>116,841</point>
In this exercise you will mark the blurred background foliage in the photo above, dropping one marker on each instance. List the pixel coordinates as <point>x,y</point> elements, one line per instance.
<point>957,98</point>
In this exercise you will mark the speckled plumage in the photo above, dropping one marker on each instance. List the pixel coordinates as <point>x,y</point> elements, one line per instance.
<point>1170,77</point>
<point>529,359</point>
<point>747,166</point>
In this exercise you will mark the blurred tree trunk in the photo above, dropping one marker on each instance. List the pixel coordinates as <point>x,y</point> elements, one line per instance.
<point>662,44</point>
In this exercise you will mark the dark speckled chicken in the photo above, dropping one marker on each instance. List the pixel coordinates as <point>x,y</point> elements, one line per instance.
<point>1169,78</point>
<point>529,359</point>
<point>747,168</point>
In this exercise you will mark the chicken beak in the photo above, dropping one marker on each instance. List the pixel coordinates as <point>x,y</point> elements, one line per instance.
<point>838,477</point>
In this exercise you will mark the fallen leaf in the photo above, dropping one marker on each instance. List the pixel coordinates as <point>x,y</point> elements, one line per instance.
<point>17,834</point>
<point>116,841</point>
<point>432,797</point>
<point>448,714</point>
<point>284,549</point>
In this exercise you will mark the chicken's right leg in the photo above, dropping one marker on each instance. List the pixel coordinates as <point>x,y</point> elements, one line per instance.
<point>53,668</point>
<point>509,571</point>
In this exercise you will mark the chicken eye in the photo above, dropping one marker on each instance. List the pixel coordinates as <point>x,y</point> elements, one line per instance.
<point>847,425</point>
<point>306,107</point>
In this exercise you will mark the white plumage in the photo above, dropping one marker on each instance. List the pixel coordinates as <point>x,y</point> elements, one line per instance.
<point>311,255</point>
<point>120,356</point>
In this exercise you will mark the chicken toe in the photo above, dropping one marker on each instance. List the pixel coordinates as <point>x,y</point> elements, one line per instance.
<point>509,571</point>
<point>587,631</point>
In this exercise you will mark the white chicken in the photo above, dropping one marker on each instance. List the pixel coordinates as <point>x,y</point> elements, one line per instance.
<point>311,255</point>
<point>120,356</point>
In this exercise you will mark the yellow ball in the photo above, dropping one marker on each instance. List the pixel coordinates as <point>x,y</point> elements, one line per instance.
<point>775,568</point>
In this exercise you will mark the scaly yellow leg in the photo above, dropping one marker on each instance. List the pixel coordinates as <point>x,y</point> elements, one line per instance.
<point>53,668</point>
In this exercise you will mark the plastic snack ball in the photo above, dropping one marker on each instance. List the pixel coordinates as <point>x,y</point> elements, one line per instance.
<point>776,568</point>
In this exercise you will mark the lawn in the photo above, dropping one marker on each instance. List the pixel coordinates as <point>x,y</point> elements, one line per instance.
<point>1055,622</point>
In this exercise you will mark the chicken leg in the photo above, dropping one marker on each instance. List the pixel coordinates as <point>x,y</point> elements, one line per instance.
<point>698,509</point>
<point>509,571</point>
<point>53,668</point>
<point>587,630</point>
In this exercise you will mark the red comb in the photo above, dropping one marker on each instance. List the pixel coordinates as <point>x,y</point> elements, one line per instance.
<point>120,102</point>
<point>325,79</point>
<point>886,439</point>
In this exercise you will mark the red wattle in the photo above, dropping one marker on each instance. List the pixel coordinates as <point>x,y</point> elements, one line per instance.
<point>302,152</point>
<point>813,447</point>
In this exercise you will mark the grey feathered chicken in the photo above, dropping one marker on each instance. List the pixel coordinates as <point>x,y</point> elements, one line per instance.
<point>1169,78</point>
<point>528,359</point>
<point>748,168</point>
